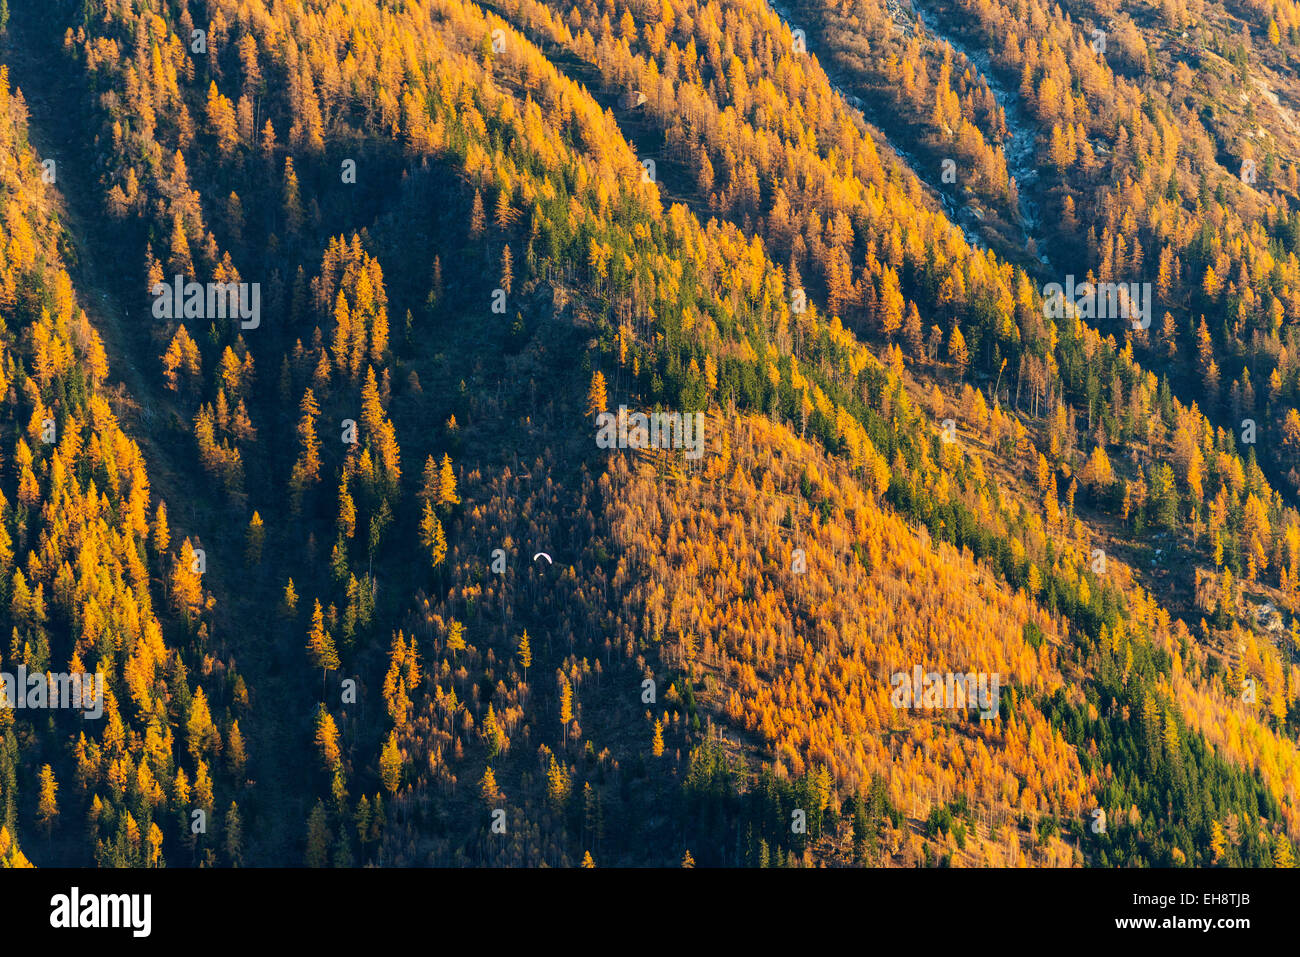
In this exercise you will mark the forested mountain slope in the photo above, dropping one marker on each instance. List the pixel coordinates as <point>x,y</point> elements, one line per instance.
<point>401,606</point>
